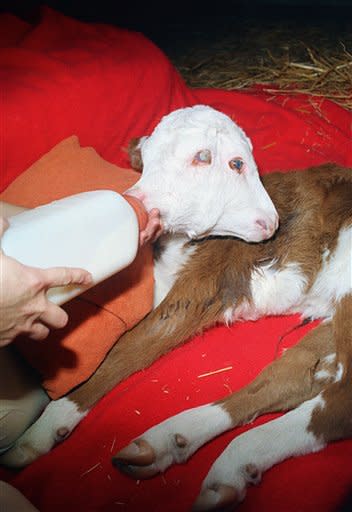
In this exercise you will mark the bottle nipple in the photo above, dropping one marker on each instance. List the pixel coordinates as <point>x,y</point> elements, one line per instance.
<point>140,211</point>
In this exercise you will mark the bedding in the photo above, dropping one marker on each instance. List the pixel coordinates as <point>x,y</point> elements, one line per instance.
<point>106,85</point>
<point>110,308</point>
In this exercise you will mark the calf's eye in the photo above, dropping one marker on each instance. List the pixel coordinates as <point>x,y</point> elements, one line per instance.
<point>202,157</point>
<point>236,164</point>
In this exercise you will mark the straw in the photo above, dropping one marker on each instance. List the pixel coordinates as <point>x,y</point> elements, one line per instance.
<point>278,61</point>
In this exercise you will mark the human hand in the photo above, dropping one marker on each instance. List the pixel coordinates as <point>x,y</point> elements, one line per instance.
<point>153,229</point>
<point>24,307</point>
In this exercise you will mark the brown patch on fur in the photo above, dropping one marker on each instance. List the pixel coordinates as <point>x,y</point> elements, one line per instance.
<point>334,420</point>
<point>163,329</point>
<point>205,288</point>
<point>286,382</point>
<point>312,205</point>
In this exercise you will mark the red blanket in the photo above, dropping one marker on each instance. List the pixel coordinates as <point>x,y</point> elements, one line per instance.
<point>107,85</point>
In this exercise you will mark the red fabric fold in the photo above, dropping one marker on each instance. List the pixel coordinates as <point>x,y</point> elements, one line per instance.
<point>115,305</point>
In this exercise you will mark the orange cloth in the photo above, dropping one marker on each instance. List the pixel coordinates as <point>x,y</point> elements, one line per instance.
<point>102,314</point>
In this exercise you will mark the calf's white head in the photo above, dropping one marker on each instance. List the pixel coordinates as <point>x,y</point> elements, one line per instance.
<point>199,171</point>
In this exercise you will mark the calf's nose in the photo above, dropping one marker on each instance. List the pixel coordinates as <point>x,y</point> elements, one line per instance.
<point>268,225</point>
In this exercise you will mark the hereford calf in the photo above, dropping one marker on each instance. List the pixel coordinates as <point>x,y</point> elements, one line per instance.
<point>304,268</point>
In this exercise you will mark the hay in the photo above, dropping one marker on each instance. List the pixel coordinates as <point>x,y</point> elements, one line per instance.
<point>287,67</point>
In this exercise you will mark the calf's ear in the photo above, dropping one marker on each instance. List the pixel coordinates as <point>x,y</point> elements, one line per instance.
<point>135,153</point>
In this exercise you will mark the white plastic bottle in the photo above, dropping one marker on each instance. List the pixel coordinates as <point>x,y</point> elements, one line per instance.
<point>97,231</point>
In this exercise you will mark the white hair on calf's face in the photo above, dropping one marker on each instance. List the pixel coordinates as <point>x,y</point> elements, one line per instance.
<point>198,169</point>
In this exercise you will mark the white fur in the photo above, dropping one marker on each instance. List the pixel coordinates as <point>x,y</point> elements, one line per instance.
<point>263,447</point>
<point>42,435</point>
<point>267,285</point>
<point>276,291</point>
<point>203,199</point>
<point>174,255</point>
<point>339,372</point>
<point>330,358</point>
<point>322,375</point>
<point>333,282</point>
<point>197,426</point>
<point>283,290</point>
<point>329,372</point>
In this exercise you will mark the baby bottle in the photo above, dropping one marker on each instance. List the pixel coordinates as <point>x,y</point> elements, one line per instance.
<point>97,231</point>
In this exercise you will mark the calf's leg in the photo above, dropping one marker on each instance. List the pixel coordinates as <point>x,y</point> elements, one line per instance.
<point>170,324</point>
<point>297,376</point>
<point>333,420</point>
<point>307,428</point>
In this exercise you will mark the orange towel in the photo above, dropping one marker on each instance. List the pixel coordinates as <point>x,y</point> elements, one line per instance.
<point>102,314</point>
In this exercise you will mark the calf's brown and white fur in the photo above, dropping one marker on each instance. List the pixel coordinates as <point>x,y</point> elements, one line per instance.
<point>304,268</point>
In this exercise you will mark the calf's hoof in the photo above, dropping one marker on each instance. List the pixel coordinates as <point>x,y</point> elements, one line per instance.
<point>136,460</point>
<point>219,497</point>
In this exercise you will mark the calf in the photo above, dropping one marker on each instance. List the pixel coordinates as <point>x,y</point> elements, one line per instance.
<point>305,268</point>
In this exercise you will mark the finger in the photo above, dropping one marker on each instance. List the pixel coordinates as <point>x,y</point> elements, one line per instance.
<point>156,221</point>
<point>62,276</point>
<point>154,212</point>
<point>142,239</point>
<point>158,233</point>
<point>154,216</point>
<point>54,316</point>
<point>38,331</point>
<point>152,231</point>
<point>145,236</point>
<point>155,231</point>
